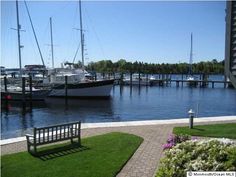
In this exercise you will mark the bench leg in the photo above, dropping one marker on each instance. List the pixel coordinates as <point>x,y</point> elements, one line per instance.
<point>35,149</point>
<point>79,139</point>
<point>28,147</point>
<point>71,140</point>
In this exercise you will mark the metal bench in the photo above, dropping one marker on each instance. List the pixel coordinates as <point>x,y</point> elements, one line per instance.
<point>52,134</point>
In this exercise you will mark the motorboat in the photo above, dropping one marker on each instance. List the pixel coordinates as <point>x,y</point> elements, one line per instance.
<point>136,80</point>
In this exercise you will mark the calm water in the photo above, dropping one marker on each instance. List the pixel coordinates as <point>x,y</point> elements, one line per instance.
<point>125,104</point>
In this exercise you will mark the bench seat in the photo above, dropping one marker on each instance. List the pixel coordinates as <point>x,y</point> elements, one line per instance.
<point>52,134</point>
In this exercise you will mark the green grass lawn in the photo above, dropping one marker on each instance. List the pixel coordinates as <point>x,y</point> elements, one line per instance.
<point>100,156</point>
<point>215,130</point>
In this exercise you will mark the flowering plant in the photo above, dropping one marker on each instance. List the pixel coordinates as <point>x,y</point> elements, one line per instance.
<point>174,139</point>
<point>200,155</point>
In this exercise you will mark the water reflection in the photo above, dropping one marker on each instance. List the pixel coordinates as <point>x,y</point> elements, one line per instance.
<point>126,104</point>
<point>131,91</point>
<point>18,118</point>
<point>84,110</point>
<point>20,108</point>
<point>121,90</point>
<point>76,104</point>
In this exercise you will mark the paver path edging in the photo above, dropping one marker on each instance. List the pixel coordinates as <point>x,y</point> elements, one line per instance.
<point>145,160</point>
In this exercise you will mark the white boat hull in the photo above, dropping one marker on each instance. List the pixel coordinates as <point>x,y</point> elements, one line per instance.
<point>93,89</point>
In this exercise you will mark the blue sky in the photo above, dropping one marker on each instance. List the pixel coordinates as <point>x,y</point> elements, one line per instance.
<point>153,32</point>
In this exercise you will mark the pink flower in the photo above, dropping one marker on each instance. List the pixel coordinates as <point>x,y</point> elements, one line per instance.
<point>168,145</point>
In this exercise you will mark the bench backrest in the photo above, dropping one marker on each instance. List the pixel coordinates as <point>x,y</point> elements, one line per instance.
<point>44,135</point>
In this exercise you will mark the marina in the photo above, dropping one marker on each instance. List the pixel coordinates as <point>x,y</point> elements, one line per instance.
<point>178,79</point>
<point>125,104</point>
<point>70,85</point>
<point>117,88</point>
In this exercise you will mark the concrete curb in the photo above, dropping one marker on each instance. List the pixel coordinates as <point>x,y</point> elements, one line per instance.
<point>136,123</point>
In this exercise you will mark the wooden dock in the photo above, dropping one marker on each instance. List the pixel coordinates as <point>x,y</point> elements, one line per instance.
<point>180,82</point>
<point>200,83</point>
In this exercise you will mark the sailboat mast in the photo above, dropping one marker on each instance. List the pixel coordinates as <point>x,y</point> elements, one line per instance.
<point>32,26</point>
<point>191,55</point>
<point>81,35</point>
<point>18,35</point>
<point>52,42</point>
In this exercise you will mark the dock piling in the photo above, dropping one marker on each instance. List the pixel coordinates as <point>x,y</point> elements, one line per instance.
<point>23,89</point>
<point>5,83</point>
<point>121,79</point>
<point>177,83</point>
<point>146,79</point>
<point>225,80</point>
<point>30,87</point>
<point>66,85</point>
<point>139,78</point>
<point>131,79</point>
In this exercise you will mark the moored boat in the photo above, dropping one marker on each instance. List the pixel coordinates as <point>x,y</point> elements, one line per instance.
<point>92,89</point>
<point>77,82</point>
<point>16,94</point>
<point>71,82</point>
<point>137,80</point>
<point>191,80</point>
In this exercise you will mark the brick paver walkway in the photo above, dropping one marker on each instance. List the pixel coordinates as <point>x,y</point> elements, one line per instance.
<point>144,161</point>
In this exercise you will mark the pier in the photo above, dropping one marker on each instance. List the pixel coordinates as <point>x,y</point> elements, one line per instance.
<point>167,80</point>
<point>201,83</point>
<point>131,79</point>
<point>22,89</point>
<point>18,93</point>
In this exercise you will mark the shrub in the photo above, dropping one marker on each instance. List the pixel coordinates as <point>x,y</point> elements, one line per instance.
<point>175,139</point>
<point>196,155</point>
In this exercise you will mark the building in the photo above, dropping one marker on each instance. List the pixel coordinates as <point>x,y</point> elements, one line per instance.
<point>230,42</point>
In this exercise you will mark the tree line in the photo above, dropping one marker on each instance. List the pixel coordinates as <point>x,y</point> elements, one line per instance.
<point>107,66</point>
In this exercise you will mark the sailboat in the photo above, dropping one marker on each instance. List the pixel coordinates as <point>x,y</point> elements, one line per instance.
<point>190,78</point>
<point>14,92</point>
<point>78,85</point>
